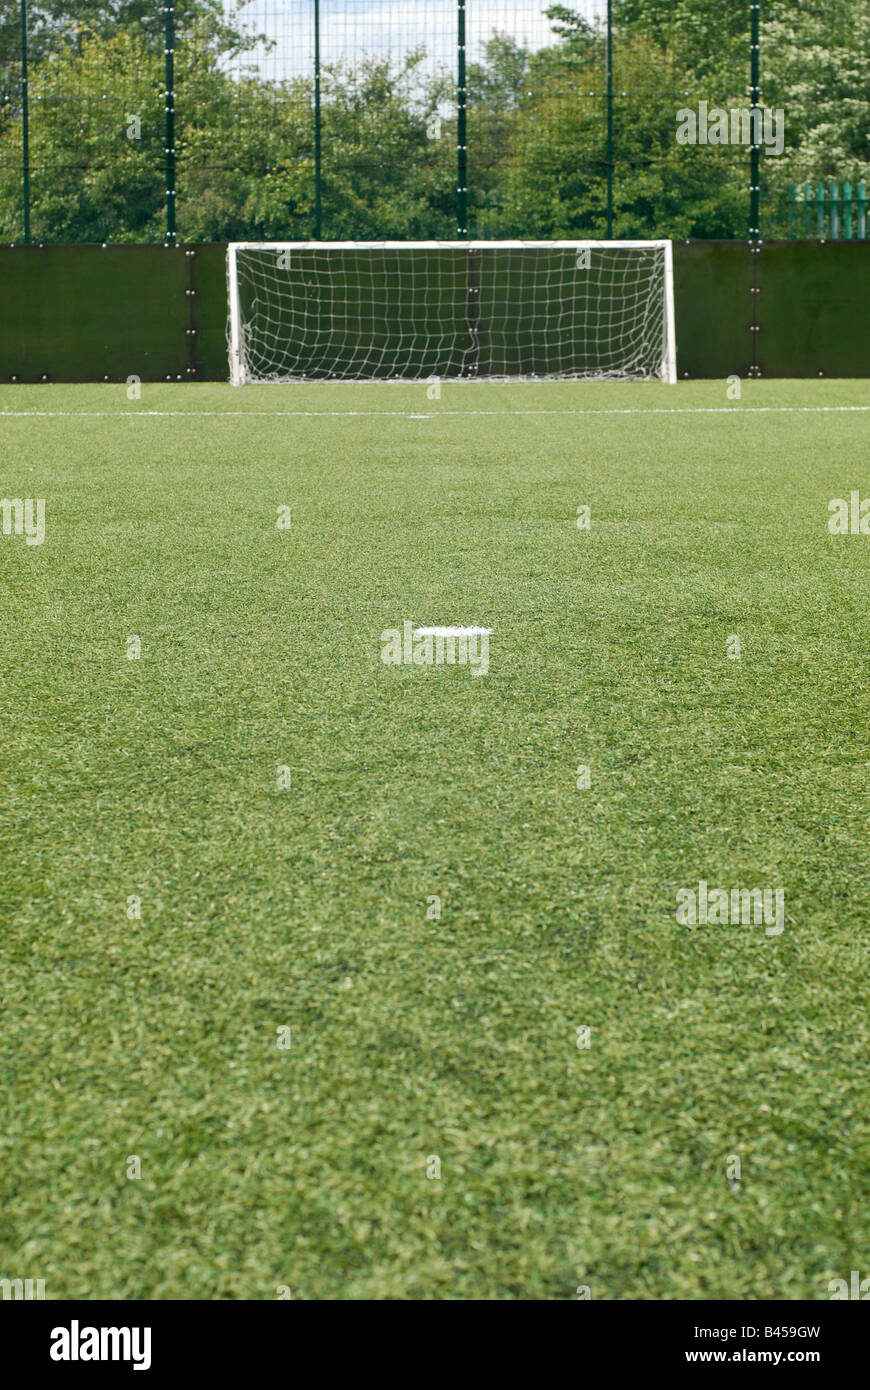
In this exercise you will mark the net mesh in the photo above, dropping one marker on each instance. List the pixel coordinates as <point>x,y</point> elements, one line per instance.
<point>456,310</point>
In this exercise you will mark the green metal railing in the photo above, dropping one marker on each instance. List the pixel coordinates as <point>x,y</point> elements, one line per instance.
<point>836,212</point>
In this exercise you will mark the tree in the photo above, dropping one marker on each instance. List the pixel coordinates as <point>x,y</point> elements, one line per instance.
<point>245,147</point>
<point>555,169</point>
<point>96,79</point>
<point>536,125</point>
<point>572,27</point>
<point>496,88</point>
<point>55,24</point>
<point>95,172</point>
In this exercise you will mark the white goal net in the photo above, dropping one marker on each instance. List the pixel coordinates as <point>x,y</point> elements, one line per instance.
<point>488,310</point>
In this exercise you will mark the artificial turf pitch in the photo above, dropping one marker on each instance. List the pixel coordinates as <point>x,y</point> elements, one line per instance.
<point>412,1038</point>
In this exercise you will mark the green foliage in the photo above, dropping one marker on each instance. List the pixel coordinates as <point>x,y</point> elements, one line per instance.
<point>571,26</point>
<point>57,24</point>
<point>92,177</point>
<point>820,74</point>
<point>554,182</point>
<point>706,38</point>
<point>246,155</point>
<point>385,174</point>
<point>815,66</point>
<point>536,126</point>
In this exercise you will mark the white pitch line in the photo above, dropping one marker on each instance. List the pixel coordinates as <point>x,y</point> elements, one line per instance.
<point>407,415</point>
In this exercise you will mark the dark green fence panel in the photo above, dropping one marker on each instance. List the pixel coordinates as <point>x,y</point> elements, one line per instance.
<point>93,313</point>
<point>812,310</point>
<point>714,308</point>
<point>210,309</point>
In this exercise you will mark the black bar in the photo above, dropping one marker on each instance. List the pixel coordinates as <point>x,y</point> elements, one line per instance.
<point>235,1338</point>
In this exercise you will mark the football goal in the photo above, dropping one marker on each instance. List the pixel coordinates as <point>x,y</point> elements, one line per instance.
<point>474,311</point>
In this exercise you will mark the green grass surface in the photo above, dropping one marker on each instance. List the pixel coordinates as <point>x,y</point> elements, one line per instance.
<point>306,908</point>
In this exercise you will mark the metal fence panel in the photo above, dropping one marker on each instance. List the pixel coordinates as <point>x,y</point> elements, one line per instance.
<point>206,120</point>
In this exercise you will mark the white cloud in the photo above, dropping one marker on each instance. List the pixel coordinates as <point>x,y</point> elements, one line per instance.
<point>351,28</point>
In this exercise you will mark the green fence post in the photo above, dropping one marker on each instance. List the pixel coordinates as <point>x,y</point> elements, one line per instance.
<point>318,133</point>
<point>609,64</point>
<point>461,126</point>
<point>25,129</point>
<point>808,202</point>
<point>755,98</point>
<point>169,54</point>
<point>847,210</point>
<point>862,209</point>
<point>835,211</point>
<point>820,208</point>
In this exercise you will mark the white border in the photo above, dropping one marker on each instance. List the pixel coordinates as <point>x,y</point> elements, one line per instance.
<point>6,414</point>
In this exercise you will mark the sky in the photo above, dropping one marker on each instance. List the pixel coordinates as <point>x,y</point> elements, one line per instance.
<point>349,28</point>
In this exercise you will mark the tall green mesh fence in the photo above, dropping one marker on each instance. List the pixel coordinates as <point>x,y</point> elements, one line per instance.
<point>432,119</point>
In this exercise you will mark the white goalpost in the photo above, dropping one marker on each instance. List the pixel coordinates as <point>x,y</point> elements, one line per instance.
<point>460,310</point>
